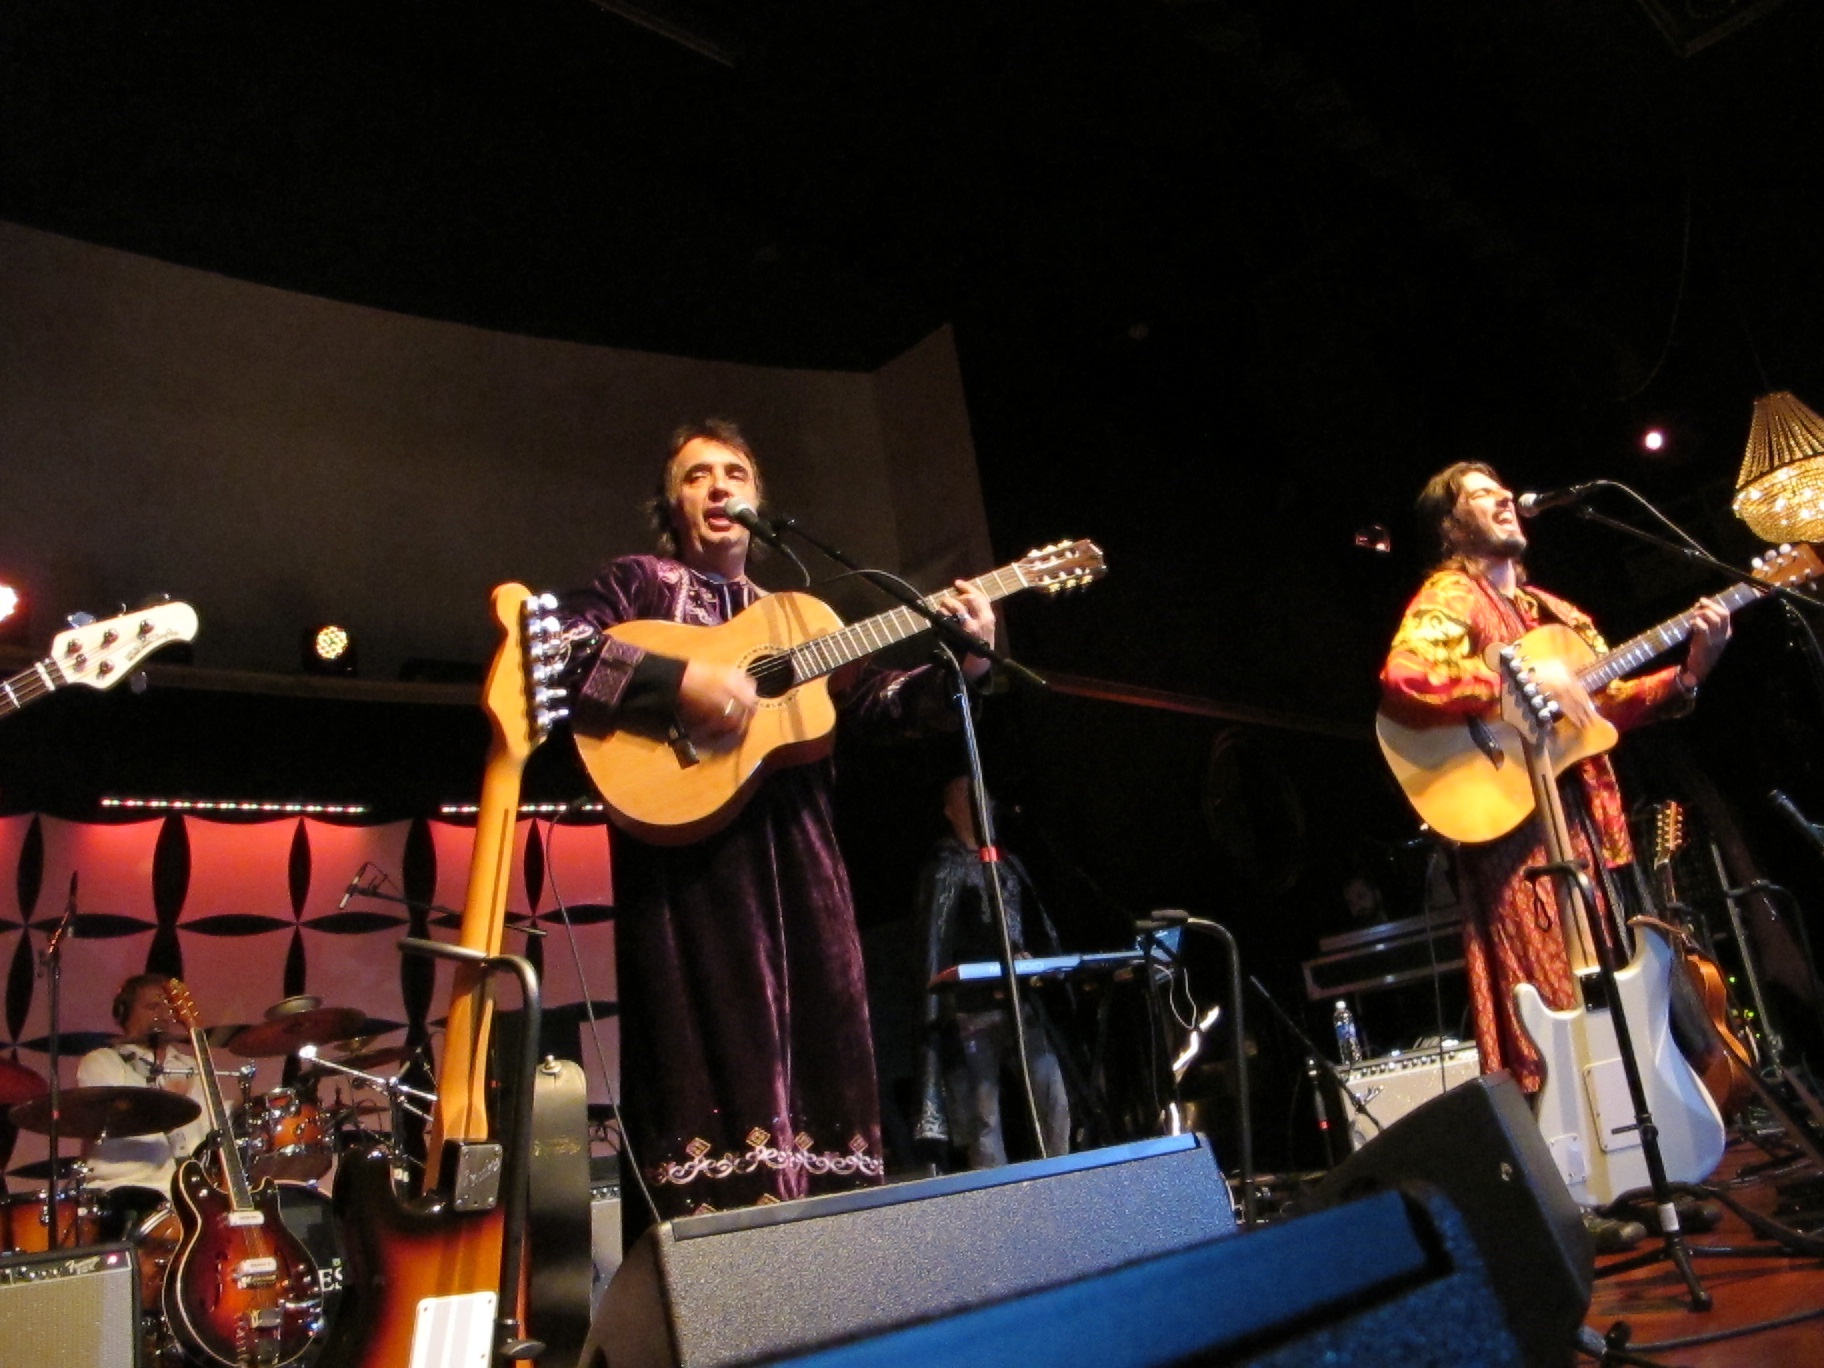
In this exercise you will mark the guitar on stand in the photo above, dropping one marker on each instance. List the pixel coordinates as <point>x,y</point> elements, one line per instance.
<point>425,1285</point>
<point>1620,1107</point>
<point>242,1291</point>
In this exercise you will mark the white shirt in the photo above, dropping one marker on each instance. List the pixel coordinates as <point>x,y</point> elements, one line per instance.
<point>141,1160</point>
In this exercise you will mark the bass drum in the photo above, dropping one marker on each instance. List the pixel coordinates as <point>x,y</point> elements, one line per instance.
<point>306,1214</point>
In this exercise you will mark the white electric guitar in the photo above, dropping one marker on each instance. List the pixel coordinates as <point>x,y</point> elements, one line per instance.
<point>99,654</point>
<point>1585,1107</point>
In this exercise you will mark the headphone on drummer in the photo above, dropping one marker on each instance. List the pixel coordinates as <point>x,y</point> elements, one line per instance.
<point>122,1006</point>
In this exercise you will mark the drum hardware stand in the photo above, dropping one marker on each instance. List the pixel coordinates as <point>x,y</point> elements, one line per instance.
<point>399,1096</point>
<point>53,973</point>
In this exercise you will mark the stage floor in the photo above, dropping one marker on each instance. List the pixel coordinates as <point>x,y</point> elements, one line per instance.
<point>1746,1291</point>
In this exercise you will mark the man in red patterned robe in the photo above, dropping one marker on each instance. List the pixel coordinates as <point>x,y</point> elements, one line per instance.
<point>1437,671</point>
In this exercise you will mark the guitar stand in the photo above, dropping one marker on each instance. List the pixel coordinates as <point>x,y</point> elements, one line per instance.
<point>1672,1245</point>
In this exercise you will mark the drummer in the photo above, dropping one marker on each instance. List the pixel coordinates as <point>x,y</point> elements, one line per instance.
<point>137,1169</point>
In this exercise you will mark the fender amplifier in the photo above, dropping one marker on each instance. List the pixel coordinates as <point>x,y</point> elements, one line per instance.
<point>1395,1084</point>
<point>74,1308</point>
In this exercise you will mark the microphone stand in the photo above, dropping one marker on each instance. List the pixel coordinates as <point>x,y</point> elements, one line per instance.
<point>952,635</point>
<point>53,973</point>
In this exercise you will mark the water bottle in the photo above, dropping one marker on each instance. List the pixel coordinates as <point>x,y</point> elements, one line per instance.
<point>1348,1039</point>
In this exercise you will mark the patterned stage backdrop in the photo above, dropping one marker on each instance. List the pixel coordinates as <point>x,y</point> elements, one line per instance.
<point>247,914</point>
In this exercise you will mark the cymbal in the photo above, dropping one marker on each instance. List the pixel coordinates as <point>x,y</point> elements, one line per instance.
<point>367,1060</point>
<point>41,1170</point>
<point>288,1034</point>
<point>101,1113</point>
<point>19,1084</point>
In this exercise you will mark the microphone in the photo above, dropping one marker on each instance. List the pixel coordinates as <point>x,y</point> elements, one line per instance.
<point>1790,811</point>
<point>741,511</point>
<point>1531,505</point>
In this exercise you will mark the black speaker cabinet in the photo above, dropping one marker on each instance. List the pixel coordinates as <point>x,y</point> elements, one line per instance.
<point>742,1286</point>
<point>1391,1279</point>
<point>70,1309</point>
<point>1480,1144</point>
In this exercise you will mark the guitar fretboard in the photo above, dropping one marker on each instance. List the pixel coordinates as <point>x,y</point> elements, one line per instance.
<point>1656,641</point>
<point>28,686</point>
<point>821,655</point>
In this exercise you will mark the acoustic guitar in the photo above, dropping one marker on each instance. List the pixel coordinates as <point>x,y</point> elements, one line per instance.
<point>99,654</point>
<point>1585,1107</point>
<point>423,1283</point>
<point>671,789</point>
<point>241,1290</point>
<point>1716,1047</point>
<point>1467,778</point>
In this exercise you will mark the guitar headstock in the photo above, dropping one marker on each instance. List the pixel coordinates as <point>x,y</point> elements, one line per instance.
<point>101,654</point>
<point>183,1006</point>
<point>1061,566</point>
<point>520,695</point>
<point>1787,567</point>
<point>1668,833</point>
<point>1524,702</point>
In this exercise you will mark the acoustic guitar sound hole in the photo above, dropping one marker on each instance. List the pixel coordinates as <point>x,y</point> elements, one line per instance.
<point>772,675</point>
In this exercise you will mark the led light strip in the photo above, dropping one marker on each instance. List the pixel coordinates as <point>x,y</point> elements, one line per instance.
<point>237,805</point>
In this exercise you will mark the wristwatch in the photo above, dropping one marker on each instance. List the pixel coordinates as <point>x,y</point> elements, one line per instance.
<point>1687,684</point>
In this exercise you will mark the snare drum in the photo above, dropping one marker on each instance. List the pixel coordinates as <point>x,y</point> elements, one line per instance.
<point>27,1224</point>
<point>288,1137</point>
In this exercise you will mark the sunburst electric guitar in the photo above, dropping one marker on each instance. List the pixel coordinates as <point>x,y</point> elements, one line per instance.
<point>423,1283</point>
<point>242,1290</point>
<point>670,789</point>
<point>99,654</point>
<point>1467,778</point>
<point>1585,1107</point>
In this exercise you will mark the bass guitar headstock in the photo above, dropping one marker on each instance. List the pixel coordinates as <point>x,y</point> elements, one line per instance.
<point>1061,566</point>
<point>101,654</point>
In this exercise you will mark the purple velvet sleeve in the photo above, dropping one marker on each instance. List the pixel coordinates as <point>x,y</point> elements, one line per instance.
<point>625,589</point>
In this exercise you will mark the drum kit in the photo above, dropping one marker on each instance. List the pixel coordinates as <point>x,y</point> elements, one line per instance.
<point>286,1135</point>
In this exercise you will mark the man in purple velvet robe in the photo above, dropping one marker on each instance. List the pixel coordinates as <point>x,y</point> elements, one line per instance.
<point>747,1070</point>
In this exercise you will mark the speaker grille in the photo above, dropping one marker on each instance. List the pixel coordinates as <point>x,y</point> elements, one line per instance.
<point>70,1309</point>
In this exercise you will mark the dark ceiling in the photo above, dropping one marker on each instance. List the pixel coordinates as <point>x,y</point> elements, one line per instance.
<point>1227,277</point>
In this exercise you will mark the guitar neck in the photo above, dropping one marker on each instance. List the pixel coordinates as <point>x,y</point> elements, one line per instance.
<point>1656,641</point>
<point>826,654</point>
<point>28,686</point>
<point>240,1195</point>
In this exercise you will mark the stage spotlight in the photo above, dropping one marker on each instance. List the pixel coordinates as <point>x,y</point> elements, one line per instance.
<point>1654,439</point>
<point>15,614</point>
<point>329,649</point>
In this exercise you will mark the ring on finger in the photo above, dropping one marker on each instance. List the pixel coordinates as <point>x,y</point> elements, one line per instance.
<point>728,708</point>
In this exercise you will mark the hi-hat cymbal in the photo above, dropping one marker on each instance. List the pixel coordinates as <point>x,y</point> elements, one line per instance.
<point>41,1170</point>
<point>288,1034</point>
<point>19,1084</point>
<point>102,1113</point>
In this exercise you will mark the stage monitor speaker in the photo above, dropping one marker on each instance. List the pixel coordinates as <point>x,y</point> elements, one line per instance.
<point>75,1308</point>
<point>1391,1279</point>
<point>740,1286</point>
<point>1480,1144</point>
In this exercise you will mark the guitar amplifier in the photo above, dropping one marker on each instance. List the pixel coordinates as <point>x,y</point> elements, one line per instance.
<point>1394,1084</point>
<point>72,1308</point>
